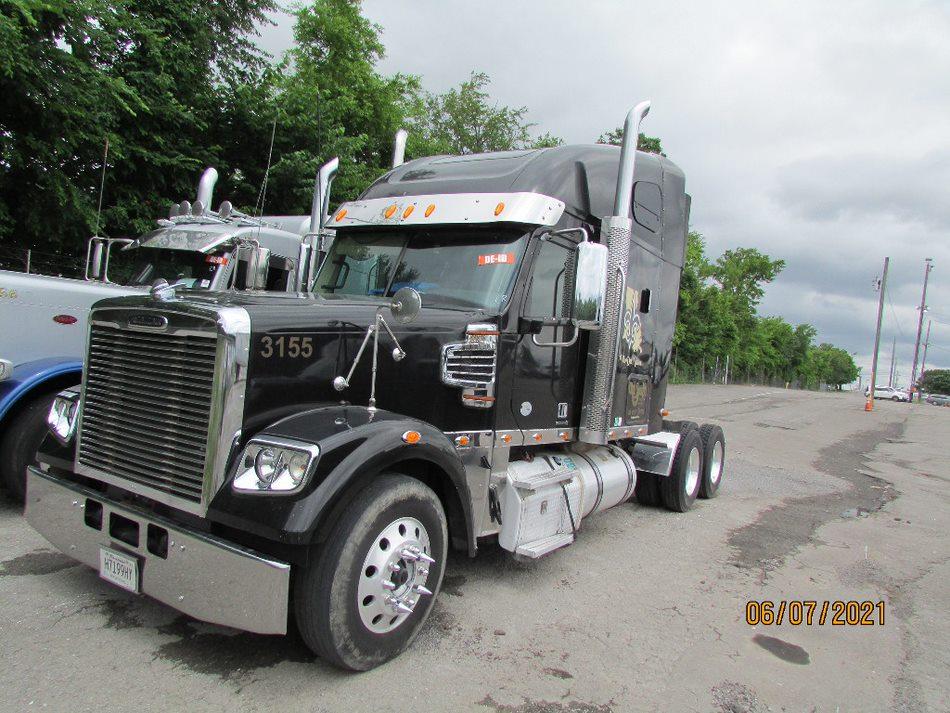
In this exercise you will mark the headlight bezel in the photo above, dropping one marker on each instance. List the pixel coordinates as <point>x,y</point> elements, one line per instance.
<point>247,481</point>
<point>63,417</point>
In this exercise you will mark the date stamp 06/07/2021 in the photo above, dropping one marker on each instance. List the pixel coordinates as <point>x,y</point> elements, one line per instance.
<point>809,612</point>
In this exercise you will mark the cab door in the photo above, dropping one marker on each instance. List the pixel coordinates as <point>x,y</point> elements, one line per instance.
<point>544,387</point>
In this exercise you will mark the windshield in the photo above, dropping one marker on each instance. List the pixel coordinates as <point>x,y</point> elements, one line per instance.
<point>186,268</point>
<point>450,268</point>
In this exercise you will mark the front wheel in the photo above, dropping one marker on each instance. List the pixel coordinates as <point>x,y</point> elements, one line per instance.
<point>19,444</point>
<point>362,601</point>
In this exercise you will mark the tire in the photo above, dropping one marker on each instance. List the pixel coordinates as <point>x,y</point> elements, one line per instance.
<point>678,491</point>
<point>679,426</point>
<point>647,489</point>
<point>339,601</point>
<point>19,443</point>
<point>895,398</point>
<point>714,459</point>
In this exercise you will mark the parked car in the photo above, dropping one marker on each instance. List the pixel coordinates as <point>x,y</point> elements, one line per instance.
<point>938,399</point>
<point>888,392</point>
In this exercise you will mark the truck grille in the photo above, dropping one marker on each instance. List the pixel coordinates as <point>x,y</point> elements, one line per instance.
<point>147,408</point>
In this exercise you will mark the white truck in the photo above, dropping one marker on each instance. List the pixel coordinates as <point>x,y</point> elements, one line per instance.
<point>44,320</point>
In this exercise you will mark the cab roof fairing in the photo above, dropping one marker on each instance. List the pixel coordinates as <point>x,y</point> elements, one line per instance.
<point>583,177</point>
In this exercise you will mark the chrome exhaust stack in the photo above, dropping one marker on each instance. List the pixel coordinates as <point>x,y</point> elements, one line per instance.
<point>399,147</point>
<point>312,243</point>
<point>206,188</point>
<point>597,417</point>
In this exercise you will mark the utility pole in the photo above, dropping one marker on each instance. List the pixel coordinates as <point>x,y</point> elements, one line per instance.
<point>928,266</point>
<point>890,377</point>
<point>923,362</point>
<point>881,285</point>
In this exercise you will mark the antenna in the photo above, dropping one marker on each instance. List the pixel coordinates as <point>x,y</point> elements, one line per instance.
<point>270,153</point>
<point>102,185</point>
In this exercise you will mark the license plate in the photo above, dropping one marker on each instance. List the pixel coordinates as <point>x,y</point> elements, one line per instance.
<point>118,568</point>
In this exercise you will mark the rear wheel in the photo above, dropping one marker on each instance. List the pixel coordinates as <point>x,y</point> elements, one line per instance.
<point>714,458</point>
<point>21,440</point>
<point>678,491</point>
<point>364,598</point>
<point>647,489</point>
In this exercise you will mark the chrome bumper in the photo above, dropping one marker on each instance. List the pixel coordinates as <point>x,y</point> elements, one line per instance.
<point>202,576</point>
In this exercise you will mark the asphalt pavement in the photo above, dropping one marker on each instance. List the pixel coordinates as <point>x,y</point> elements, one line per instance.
<point>821,502</point>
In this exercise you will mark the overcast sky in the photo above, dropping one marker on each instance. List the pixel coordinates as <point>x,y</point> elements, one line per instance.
<point>815,131</point>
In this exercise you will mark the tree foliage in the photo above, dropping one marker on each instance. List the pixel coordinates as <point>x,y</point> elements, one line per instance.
<point>74,73</point>
<point>718,317</point>
<point>935,381</point>
<point>464,120</point>
<point>650,144</point>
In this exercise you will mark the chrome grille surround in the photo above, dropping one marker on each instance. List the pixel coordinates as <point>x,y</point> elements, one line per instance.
<point>471,365</point>
<point>161,412</point>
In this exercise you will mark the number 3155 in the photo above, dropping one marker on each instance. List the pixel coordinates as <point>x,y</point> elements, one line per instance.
<point>291,347</point>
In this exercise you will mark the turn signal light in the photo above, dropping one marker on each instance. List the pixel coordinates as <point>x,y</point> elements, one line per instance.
<point>412,437</point>
<point>340,216</point>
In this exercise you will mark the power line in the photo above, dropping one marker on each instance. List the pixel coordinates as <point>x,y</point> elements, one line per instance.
<point>894,313</point>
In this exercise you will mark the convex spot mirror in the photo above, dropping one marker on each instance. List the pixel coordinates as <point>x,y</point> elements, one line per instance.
<point>406,305</point>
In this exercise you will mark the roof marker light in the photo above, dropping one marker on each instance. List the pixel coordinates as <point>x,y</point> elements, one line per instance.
<point>390,210</point>
<point>408,211</point>
<point>430,210</point>
<point>340,216</point>
<point>499,208</point>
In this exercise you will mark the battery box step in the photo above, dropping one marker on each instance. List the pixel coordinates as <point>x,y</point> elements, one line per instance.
<point>539,548</point>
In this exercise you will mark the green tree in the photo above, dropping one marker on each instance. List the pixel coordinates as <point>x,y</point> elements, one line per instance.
<point>76,72</point>
<point>935,381</point>
<point>464,120</point>
<point>650,144</point>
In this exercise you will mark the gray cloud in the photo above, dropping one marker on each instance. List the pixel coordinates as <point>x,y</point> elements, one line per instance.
<point>814,131</point>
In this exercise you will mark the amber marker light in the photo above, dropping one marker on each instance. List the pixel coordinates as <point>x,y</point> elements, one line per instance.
<point>430,210</point>
<point>462,441</point>
<point>506,438</point>
<point>340,216</point>
<point>499,208</point>
<point>665,412</point>
<point>408,211</point>
<point>537,437</point>
<point>412,437</point>
<point>564,435</point>
<point>390,211</point>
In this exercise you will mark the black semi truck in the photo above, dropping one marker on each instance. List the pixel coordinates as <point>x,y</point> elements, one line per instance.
<point>482,356</point>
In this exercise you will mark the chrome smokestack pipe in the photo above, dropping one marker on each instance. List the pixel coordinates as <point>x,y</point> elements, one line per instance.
<point>598,414</point>
<point>206,187</point>
<point>399,147</point>
<point>321,194</point>
<point>628,157</point>
<point>312,243</point>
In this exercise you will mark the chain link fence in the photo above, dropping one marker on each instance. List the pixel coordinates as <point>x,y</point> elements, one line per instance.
<point>41,263</point>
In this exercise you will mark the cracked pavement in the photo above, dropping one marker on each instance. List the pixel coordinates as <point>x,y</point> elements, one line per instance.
<point>646,611</point>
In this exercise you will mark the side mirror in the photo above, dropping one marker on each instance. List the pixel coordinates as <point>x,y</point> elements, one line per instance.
<point>94,259</point>
<point>590,285</point>
<point>257,266</point>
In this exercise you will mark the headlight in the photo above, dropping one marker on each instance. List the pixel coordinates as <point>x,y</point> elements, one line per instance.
<point>275,465</point>
<point>63,415</point>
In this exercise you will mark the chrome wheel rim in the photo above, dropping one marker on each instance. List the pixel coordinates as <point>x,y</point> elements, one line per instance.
<point>393,576</point>
<point>715,471</point>
<point>692,472</point>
